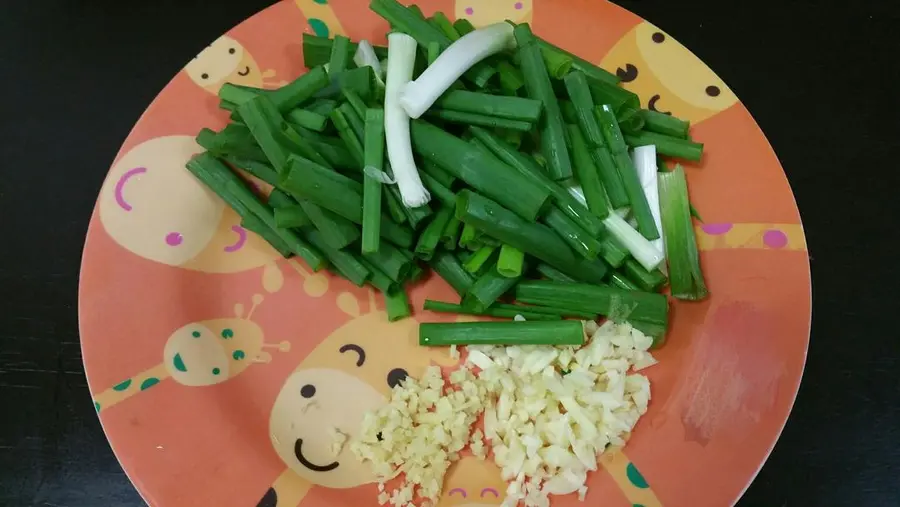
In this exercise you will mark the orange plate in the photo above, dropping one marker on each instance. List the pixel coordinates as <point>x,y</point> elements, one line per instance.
<point>204,349</point>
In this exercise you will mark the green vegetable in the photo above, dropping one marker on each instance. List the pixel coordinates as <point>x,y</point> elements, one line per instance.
<point>307,119</point>
<point>583,105</point>
<point>262,119</point>
<point>238,94</point>
<point>650,281</point>
<point>548,310</point>
<point>668,145</point>
<point>511,78</point>
<point>299,90</point>
<point>477,119</point>
<point>443,177</point>
<point>463,26</point>
<point>576,237</point>
<point>280,199</point>
<point>622,282</point>
<point>482,171</point>
<point>685,276</point>
<point>391,261</point>
<point>450,236</point>
<point>347,264</point>
<point>616,96</point>
<point>233,140</point>
<point>336,231</point>
<point>289,217</point>
<point>587,174</point>
<point>228,186</point>
<point>254,224</point>
<point>640,208</point>
<point>317,50</point>
<point>665,124</point>
<point>397,304</point>
<point>609,175</point>
<point>630,120</point>
<point>589,69</point>
<point>340,55</point>
<point>537,84</point>
<point>612,251</point>
<point>563,332</point>
<point>448,267</point>
<point>500,106</point>
<point>431,236</point>
<point>554,274</point>
<point>348,136</point>
<point>437,190</point>
<point>374,158</point>
<point>433,52</point>
<point>377,279</point>
<point>510,262</point>
<point>645,310</point>
<point>493,311</point>
<point>261,170</point>
<point>440,20</point>
<point>323,107</point>
<point>474,263</point>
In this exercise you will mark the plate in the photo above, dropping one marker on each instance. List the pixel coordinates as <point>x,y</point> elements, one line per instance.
<point>200,343</point>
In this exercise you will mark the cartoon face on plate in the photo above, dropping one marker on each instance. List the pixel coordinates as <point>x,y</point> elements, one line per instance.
<point>225,61</point>
<point>667,77</point>
<point>152,206</point>
<point>349,374</point>
<point>495,11</point>
<point>472,482</point>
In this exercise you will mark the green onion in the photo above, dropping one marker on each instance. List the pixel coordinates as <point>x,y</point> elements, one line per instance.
<point>448,267</point>
<point>537,83</point>
<point>583,103</point>
<point>511,78</point>
<point>365,56</point>
<point>621,281</point>
<point>299,90</point>
<point>645,309</point>
<point>227,185</point>
<point>340,55</point>
<point>433,52</point>
<point>348,136</point>
<point>262,119</point>
<point>450,236</point>
<point>576,237</point>
<point>437,190</point>
<point>478,119</point>
<point>377,279</point>
<point>668,145</point>
<point>587,175</point>
<point>592,71</point>
<point>463,26</point>
<point>474,263</point>
<point>481,170</point>
<point>469,237</point>
<point>549,310</point>
<point>440,20</point>
<point>397,304</point>
<point>345,262</point>
<point>442,176</point>
<point>552,273</point>
<point>510,262</point>
<point>665,124</point>
<point>609,175</point>
<point>500,106</point>
<point>503,313</point>
<point>610,127</point>
<point>640,248</point>
<point>280,199</point>
<point>317,50</point>
<point>431,236</point>
<point>612,251</point>
<point>374,158</point>
<point>391,261</point>
<point>630,120</point>
<point>650,281</point>
<point>616,96</point>
<point>289,217</point>
<point>640,207</point>
<point>685,276</point>
<point>563,332</point>
<point>238,94</point>
<point>307,119</point>
<point>488,287</point>
<point>260,170</point>
<point>254,224</point>
<point>336,231</point>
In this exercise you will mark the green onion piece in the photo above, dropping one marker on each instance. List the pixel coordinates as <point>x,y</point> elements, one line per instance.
<point>587,174</point>
<point>534,239</point>
<point>640,247</point>
<point>289,217</point>
<point>280,199</point>
<point>668,145</point>
<point>417,216</point>
<point>340,55</point>
<point>630,120</point>
<point>322,106</point>
<point>665,124</point>
<point>685,276</point>
<point>500,106</point>
<point>262,119</point>
<point>696,214</point>
<point>615,96</point>
<point>640,207</point>
<point>362,80</point>
<point>433,52</point>
<point>228,106</point>
<point>348,136</point>
<point>488,287</point>
<point>621,281</point>
<point>567,108</point>
<point>511,78</point>
<point>440,20</point>
<point>510,262</point>
<point>463,26</point>
<point>609,175</point>
<point>549,310</point>
<point>448,267</point>
<point>338,193</point>
<point>377,279</point>
<point>442,176</point>
<point>345,262</point>
<point>238,94</point>
<point>336,155</point>
<point>482,171</point>
<point>493,311</point>
<point>397,303</point>
<point>562,332</point>
<point>260,170</point>
<point>336,231</point>
<point>537,83</point>
<point>554,274</point>
<point>583,103</point>
<point>474,263</point>
<point>528,168</point>
<point>317,50</point>
<point>650,281</point>
<point>612,251</point>
<point>649,310</point>
<point>450,236</point>
<point>431,236</point>
<point>254,224</point>
<point>477,119</point>
<point>576,237</point>
<point>611,132</point>
<point>437,190</point>
<point>372,191</point>
<point>307,119</point>
<point>582,65</point>
<point>299,90</point>
<point>356,102</point>
<point>391,261</point>
<point>228,186</point>
<point>469,237</point>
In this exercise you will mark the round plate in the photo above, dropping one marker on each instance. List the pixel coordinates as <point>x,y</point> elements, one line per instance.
<point>200,343</point>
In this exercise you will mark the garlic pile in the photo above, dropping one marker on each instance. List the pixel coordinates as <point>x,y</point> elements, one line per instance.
<point>549,413</point>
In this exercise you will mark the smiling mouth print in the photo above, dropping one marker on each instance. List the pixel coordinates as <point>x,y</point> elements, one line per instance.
<point>651,105</point>
<point>245,71</point>
<point>298,453</point>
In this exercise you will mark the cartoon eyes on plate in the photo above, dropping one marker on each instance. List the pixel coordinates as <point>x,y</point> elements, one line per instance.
<point>484,492</point>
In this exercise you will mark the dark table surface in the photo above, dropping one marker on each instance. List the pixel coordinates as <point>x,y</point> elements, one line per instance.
<point>821,81</point>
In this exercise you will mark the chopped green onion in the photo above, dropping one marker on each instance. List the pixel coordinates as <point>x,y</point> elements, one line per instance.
<point>474,263</point>
<point>641,249</point>
<point>372,191</point>
<point>577,238</point>
<point>317,50</point>
<point>254,224</point>
<point>307,119</point>
<point>431,236</point>
<point>440,20</point>
<point>336,231</point>
<point>685,276</point>
<point>668,145</point>
<point>448,267</point>
<point>463,26</point>
<point>510,262</point>
<point>392,261</point>
<point>645,165</point>
<point>511,78</point>
<point>433,52</point>
<point>500,106</point>
<point>377,279</point>
<point>583,105</point>
<point>616,96</point>
<point>346,263</point>
<point>289,217</point>
<point>365,56</point>
<point>478,119</point>
<point>650,281</point>
<point>665,124</point>
<point>299,90</point>
<point>612,251</point>
<point>563,332</point>
<point>587,175</point>
<point>622,282</point>
<point>493,311</point>
<point>489,287</point>
<point>554,274</point>
<point>592,71</point>
<point>450,236</point>
<point>340,55</point>
<point>609,175</point>
<point>640,208</point>
<point>397,303</point>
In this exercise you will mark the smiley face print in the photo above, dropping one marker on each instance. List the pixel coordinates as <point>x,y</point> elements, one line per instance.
<point>495,11</point>
<point>473,482</point>
<point>152,206</point>
<point>226,61</point>
<point>667,77</point>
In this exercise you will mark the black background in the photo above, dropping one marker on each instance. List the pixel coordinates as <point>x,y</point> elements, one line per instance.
<point>821,81</point>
